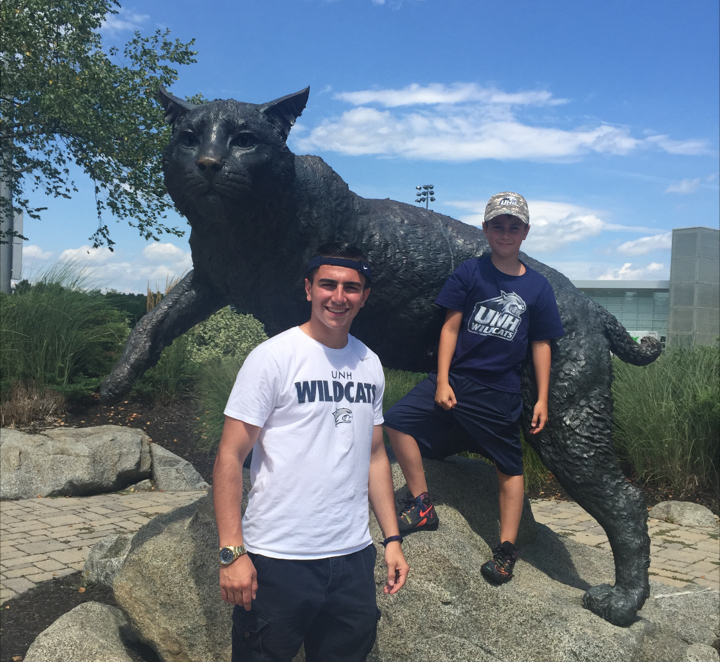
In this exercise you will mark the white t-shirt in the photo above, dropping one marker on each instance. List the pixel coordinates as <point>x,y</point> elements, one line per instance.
<point>317,407</point>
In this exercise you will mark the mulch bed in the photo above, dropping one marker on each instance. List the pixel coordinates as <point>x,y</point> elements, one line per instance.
<point>172,426</point>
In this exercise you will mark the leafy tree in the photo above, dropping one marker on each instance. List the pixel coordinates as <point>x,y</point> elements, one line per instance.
<point>133,305</point>
<point>64,99</point>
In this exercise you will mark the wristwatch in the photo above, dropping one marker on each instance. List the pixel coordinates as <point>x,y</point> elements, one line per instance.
<point>228,554</point>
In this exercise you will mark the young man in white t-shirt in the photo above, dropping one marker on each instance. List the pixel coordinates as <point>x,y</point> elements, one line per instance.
<point>299,566</point>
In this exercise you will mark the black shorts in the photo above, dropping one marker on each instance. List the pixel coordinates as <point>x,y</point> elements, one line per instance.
<point>490,418</point>
<point>329,604</point>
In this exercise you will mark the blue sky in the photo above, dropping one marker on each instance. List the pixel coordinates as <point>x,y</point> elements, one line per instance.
<point>603,115</point>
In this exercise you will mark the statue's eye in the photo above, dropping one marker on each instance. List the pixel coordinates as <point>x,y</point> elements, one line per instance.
<point>244,140</point>
<point>188,139</point>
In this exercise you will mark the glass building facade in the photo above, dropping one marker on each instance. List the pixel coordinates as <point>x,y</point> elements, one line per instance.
<point>640,306</point>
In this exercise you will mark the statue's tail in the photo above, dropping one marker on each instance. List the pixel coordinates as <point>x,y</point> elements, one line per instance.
<point>622,344</point>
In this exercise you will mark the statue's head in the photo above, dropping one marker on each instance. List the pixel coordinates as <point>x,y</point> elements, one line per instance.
<point>227,157</point>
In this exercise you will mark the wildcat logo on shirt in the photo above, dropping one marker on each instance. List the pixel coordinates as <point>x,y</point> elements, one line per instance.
<point>499,317</point>
<point>342,415</point>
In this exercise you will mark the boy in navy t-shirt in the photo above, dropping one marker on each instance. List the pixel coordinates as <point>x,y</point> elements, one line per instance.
<point>495,306</point>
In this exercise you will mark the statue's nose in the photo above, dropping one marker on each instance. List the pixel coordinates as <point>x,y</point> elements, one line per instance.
<point>209,165</point>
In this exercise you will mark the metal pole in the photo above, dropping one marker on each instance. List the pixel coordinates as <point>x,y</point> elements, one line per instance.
<point>6,225</point>
<point>6,215</point>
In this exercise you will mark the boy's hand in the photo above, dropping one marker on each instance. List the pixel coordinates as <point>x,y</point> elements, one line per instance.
<point>540,417</point>
<point>397,566</point>
<point>445,396</point>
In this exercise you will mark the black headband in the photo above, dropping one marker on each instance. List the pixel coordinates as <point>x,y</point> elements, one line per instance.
<point>358,265</point>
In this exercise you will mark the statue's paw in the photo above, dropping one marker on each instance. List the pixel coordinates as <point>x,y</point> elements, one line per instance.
<point>615,604</point>
<point>115,386</point>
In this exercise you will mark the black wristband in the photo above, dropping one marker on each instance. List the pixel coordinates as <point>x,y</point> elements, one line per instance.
<point>391,539</point>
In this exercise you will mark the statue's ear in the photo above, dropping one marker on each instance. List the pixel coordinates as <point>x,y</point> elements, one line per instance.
<point>284,111</point>
<point>174,107</point>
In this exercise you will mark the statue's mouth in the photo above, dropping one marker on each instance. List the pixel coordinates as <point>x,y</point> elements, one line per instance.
<point>221,190</point>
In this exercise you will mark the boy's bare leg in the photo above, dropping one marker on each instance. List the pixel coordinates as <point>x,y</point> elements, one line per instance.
<point>512,494</point>
<point>408,456</point>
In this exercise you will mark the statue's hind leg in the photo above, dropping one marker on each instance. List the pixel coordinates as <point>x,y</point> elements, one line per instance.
<point>578,450</point>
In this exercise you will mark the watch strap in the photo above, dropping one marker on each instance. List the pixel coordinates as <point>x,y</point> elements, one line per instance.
<point>392,539</point>
<point>236,550</point>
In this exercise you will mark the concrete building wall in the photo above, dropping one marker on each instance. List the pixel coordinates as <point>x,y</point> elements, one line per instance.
<point>694,311</point>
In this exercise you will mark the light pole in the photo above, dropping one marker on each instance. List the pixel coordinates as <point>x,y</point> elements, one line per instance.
<point>425,194</point>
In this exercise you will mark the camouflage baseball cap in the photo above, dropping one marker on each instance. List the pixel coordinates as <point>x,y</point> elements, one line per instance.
<point>507,203</point>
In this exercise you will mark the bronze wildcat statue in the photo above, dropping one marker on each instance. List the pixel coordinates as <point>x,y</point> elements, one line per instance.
<point>257,212</point>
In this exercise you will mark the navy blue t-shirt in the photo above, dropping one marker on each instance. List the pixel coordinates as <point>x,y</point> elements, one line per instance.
<point>501,314</point>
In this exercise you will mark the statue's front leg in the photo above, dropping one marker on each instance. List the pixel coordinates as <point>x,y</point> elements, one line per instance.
<point>187,304</point>
<point>579,452</point>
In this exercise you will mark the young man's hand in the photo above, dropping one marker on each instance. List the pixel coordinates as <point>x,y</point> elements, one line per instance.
<point>445,396</point>
<point>540,416</point>
<point>238,582</point>
<point>397,566</point>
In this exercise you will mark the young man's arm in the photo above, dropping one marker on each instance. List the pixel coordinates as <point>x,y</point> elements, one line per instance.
<point>542,357</point>
<point>238,581</point>
<point>444,395</point>
<point>382,500</point>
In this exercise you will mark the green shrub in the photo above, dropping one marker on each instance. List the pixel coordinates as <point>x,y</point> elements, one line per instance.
<point>55,333</point>
<point>133,305</point>
<point>216,379</point>
<point>172,375</point>
<point>398,383</point>
<point>536,474</point>
<point>226,334</point>
<point>667,419</point>
<point>220,345</point>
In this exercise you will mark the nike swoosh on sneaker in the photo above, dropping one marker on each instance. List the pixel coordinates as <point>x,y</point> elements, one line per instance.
<point>423,513</point>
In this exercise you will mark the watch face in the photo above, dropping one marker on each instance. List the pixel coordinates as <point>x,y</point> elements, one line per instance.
<point>226,555</point>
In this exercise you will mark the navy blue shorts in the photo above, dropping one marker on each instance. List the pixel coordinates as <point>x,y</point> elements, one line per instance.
<point>329,604</point>
<point>490,418</point>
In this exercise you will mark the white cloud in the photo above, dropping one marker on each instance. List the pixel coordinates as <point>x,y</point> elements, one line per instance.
<point>32,252</point>
<point>465,122</point>
<point>159,252</point>
<point>645,245</point>
<point>437,93</point>
<point>687,147</point>
<point>553,225</point>
<point>685,186</point>
<point>157,264</point>
<point>459,136</point>
<point>86,254</point>
<point>123,20</point>
<point>653,271</point>
<point>579,270</point>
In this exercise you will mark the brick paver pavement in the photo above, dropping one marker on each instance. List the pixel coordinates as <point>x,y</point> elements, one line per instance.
<point>45,538</point>
<point>679,555</point>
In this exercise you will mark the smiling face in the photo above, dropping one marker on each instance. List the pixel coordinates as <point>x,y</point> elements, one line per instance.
<point>336,295</point>
<point>505,234</point>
